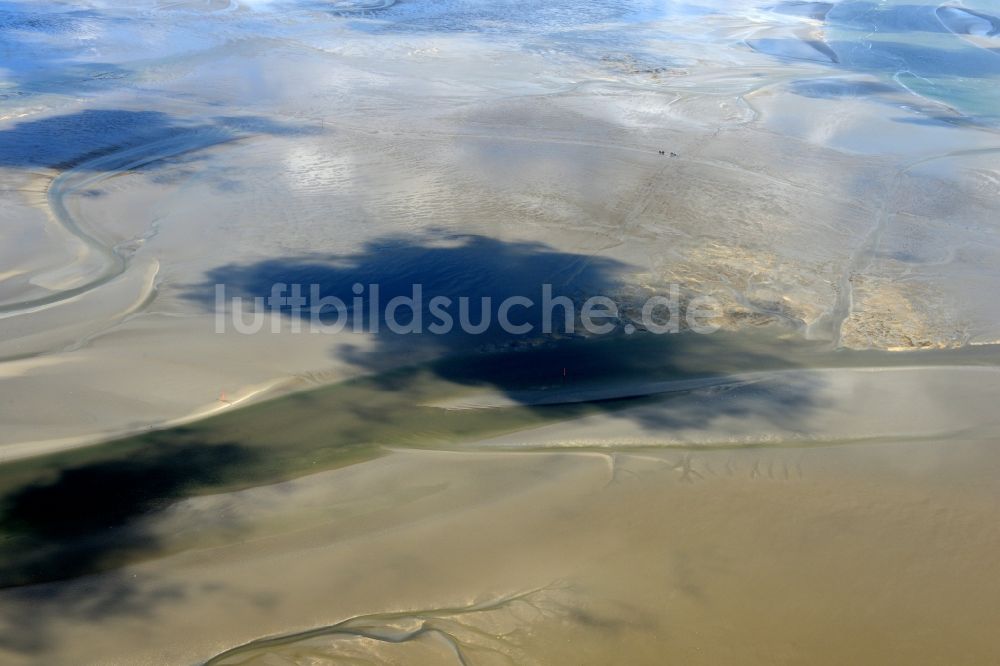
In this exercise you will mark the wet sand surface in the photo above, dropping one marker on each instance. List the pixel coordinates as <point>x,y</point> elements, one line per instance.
<point>816,483</point>
<point>760,517</point>
<point>264,142</point>
<point>825,554</point>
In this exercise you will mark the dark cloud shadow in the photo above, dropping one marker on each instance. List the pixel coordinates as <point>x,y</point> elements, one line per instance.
<point>69,514</point>
<point>74,519</point>
<point>549,351</point>
<point>62,523</point>
<point>72,140</point>
<point>476,273</point>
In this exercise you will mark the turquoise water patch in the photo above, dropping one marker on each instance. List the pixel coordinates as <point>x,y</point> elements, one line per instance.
<point>948,56</point>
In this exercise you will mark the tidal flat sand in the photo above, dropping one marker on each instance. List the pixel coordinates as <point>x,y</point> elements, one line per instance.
<point>759,517</point>
<point>813,483</point>
<point>739,555</point>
